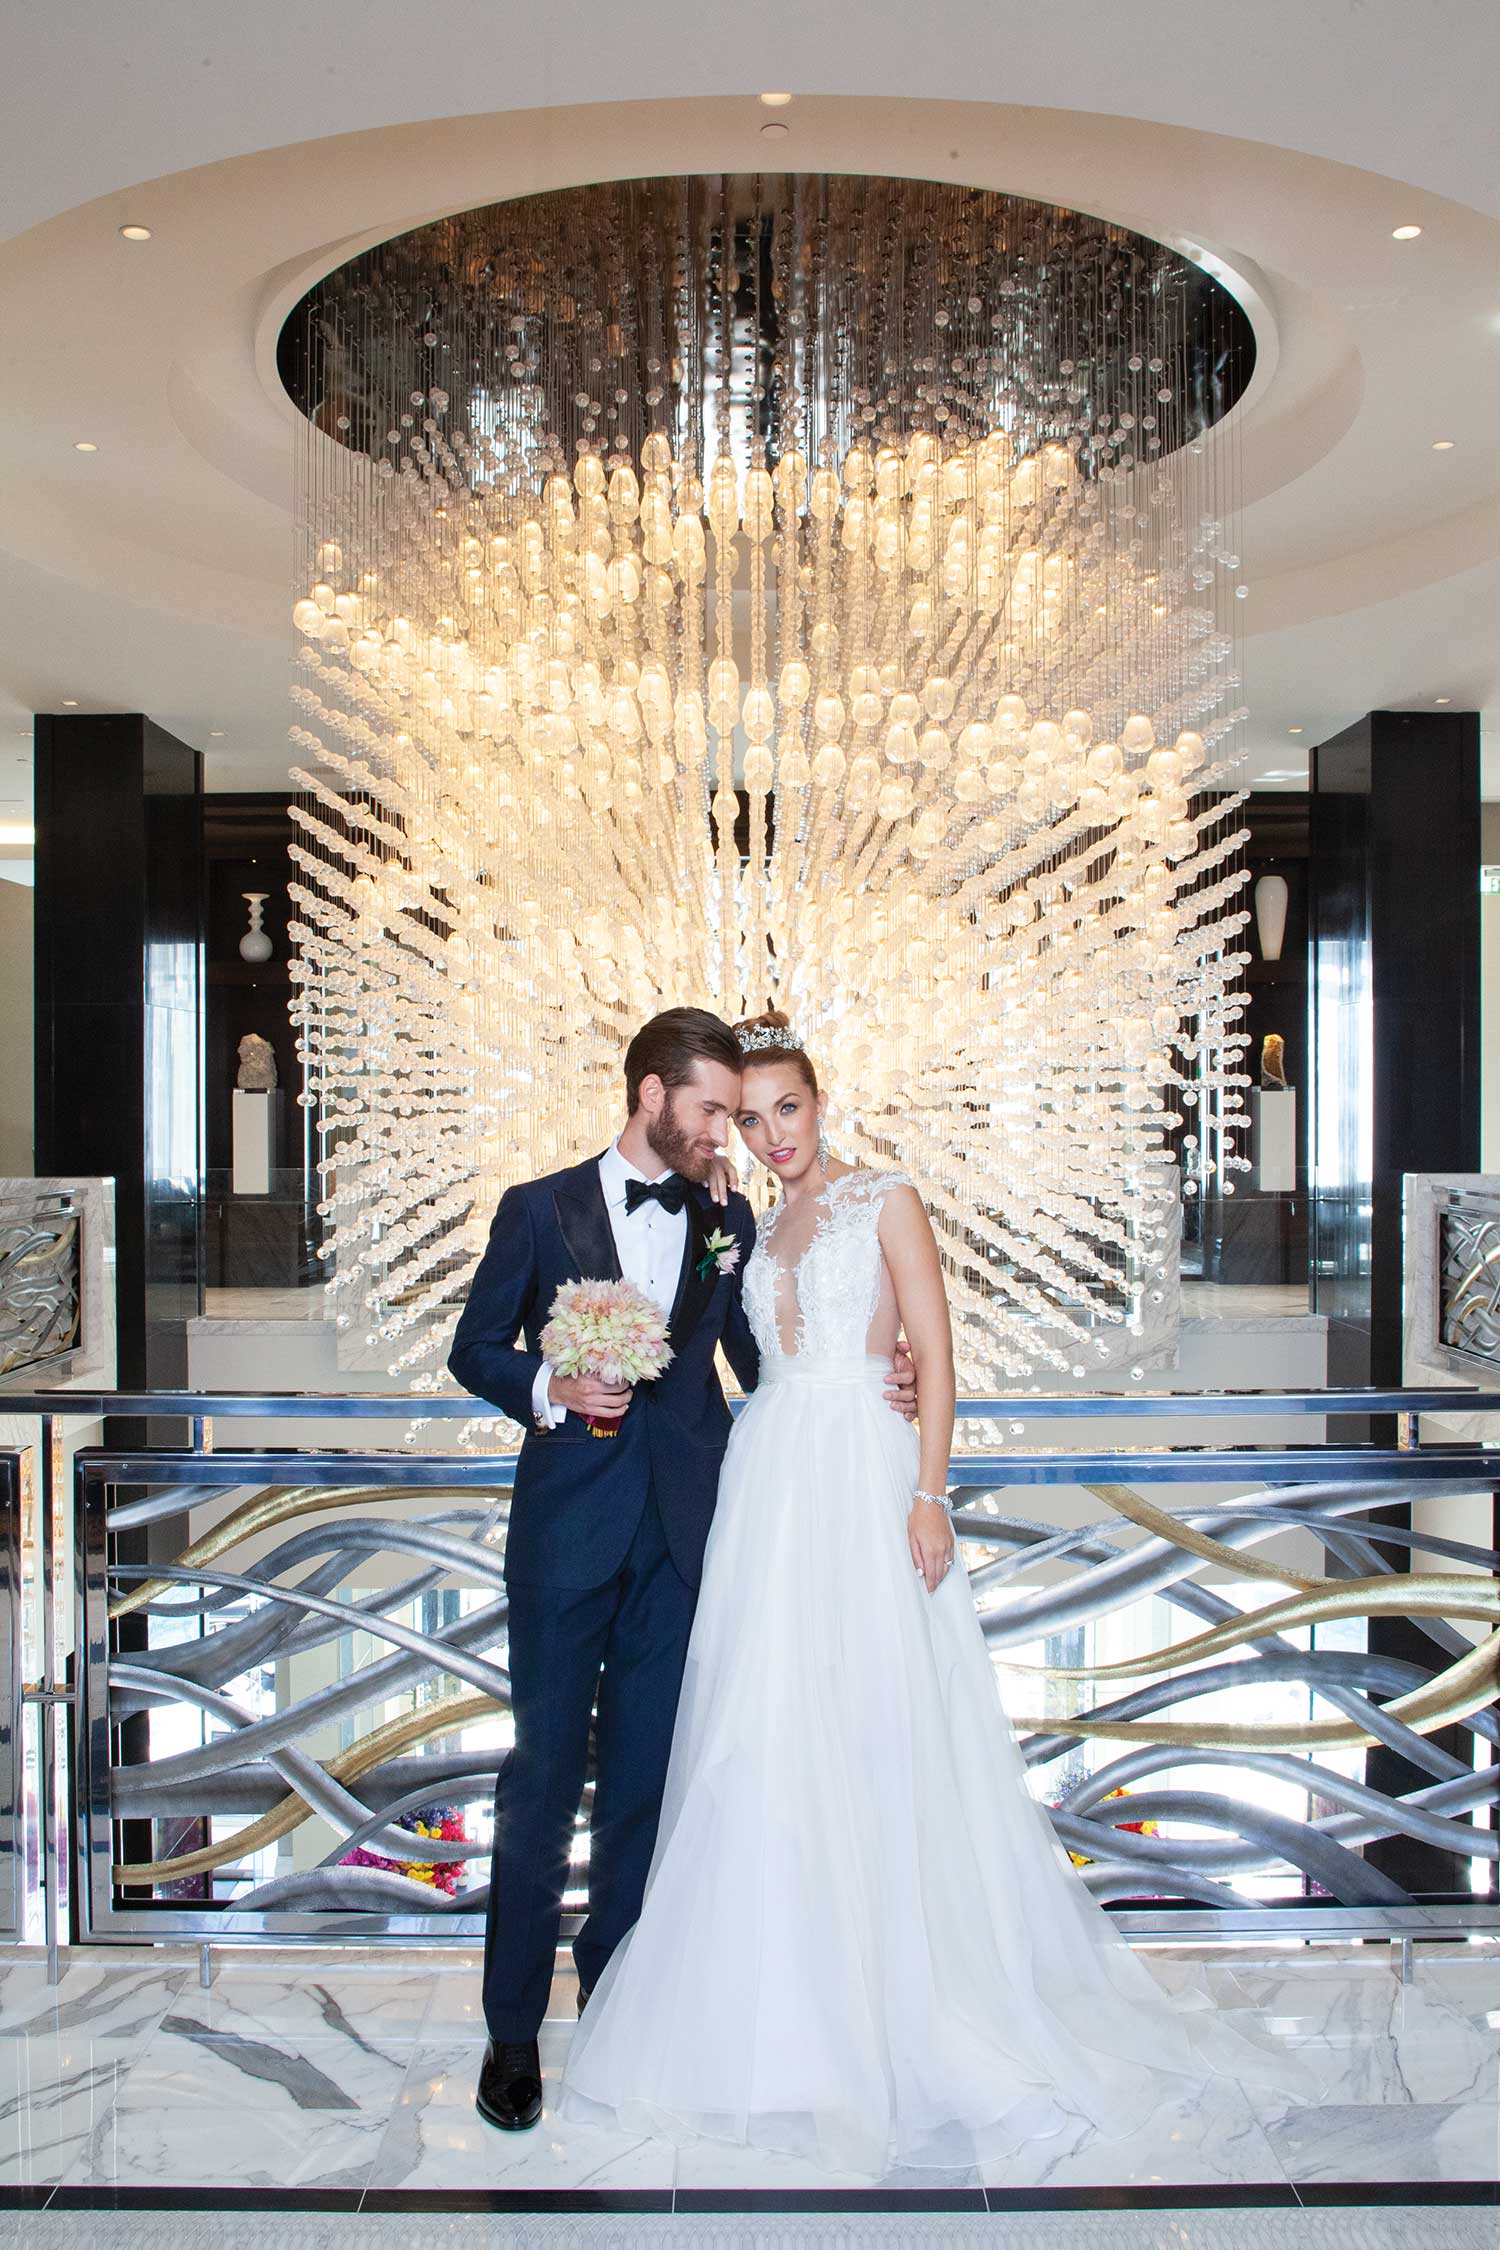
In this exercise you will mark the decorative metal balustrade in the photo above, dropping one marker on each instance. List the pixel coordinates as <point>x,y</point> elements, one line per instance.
<point>1469,1279</point>
<point>290,1663</point>
<point>41,1278</point>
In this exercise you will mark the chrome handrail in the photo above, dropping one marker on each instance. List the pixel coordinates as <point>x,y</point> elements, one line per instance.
<point>1408,1467</point>
<point>448,1406</point>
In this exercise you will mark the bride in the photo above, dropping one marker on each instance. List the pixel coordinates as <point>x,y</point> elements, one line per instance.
<point>861,1943</point>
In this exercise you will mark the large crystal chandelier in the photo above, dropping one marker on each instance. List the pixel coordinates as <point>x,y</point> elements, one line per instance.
<point>811,592</point>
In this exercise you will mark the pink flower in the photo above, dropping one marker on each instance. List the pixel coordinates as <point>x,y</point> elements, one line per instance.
<point>606,1328</point>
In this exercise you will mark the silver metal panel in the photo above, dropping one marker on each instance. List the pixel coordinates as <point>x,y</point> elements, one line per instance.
<point>41,1280</point>
<point>13,1840</point>
<point>1469,1282</point>
<point>257,1760</point>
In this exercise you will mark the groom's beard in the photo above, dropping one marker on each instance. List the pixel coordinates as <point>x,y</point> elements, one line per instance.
<point>677,1150</point>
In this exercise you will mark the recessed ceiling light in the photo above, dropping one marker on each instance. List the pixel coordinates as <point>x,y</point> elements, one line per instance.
<point>1442,445</point>
<point>774,130</point>
<point>1295,730</point>
<point>70,702</point>
<point>1444,699</point>
<point>136,234</point>
<point>216,734</point>
<point>775,101</point>
<point>84,445</point>
<point>1405,234</point>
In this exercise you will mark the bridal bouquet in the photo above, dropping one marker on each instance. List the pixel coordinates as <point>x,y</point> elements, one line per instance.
<point>610,1330</point>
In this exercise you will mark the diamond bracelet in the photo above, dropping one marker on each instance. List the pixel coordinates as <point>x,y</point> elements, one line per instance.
<point>938,1499</point>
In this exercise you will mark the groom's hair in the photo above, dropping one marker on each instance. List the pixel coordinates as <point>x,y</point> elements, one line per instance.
<point>670,1044</point>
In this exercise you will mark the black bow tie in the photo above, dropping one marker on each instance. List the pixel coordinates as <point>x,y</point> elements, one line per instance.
<point>670,1193</point>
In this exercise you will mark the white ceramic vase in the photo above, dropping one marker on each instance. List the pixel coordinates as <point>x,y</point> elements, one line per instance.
<point>1270,915</point>
<point>255,945</point>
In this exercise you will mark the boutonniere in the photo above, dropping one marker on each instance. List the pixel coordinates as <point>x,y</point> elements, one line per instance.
<point>721,1254</point>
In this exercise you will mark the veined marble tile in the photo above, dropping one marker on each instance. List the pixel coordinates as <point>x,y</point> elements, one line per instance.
<point>1332,2001</point>
<point>54,2095</point>
<point>378,2009</point>
<point>1418,2141</point>
<point>455,2009</point>
<point>93,1997</point>
<point>1397,2073</point>
<point>437,2139</point>
<point>1470,1988</point>
<point>234,2106</point>
<point>1214,2138</point>
<point>723,2164</point>
<point>1376,2040</point>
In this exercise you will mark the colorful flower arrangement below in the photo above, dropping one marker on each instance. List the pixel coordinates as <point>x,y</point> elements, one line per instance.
<point>441,1821</point>
<point>1136,1828</point>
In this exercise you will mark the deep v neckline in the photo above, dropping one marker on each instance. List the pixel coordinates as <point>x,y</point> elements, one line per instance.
<point>790,1273</point>
<point>820,1223</point>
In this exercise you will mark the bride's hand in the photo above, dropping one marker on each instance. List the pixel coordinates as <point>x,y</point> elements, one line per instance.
<point>901,1384</point>
<point>929,1534</point>
<point>723,1179</point>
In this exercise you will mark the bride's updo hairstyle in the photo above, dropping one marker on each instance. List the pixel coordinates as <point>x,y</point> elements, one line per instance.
<point>770,1038</point>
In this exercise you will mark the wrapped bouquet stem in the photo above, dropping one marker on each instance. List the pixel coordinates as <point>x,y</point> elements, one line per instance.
<point>610,1330</point>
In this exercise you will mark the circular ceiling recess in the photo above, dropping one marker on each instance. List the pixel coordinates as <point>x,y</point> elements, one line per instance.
<point>785,307</point>
<point>802,591</point>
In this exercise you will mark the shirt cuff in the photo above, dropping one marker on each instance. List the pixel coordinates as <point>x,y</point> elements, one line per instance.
<point>543,1409</point>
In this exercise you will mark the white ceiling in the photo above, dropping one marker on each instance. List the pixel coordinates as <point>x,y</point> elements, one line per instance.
<point>262,145</point>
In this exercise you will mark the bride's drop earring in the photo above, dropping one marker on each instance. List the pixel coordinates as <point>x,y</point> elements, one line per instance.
<point>825,1153</point>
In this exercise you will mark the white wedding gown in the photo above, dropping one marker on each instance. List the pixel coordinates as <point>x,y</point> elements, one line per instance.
<point>861,1942</point>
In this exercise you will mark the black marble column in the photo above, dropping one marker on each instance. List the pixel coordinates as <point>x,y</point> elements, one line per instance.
<point>1394,927</point>
<point>119,971</point>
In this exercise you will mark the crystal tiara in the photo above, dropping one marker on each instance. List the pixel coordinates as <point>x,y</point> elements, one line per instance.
<point>770,1035</point>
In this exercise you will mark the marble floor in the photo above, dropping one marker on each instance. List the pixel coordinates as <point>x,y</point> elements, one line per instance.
<point>343,2082</point>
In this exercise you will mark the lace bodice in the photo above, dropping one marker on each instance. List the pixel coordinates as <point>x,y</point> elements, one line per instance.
<point>827,1302</point>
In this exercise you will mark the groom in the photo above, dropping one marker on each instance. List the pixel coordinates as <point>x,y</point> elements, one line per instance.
<point>606,1537</point>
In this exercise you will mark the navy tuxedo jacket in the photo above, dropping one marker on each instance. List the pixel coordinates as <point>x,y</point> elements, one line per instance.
<point>578,1499</point>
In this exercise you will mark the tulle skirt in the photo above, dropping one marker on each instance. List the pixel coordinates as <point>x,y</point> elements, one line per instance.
<point>861,1942</point>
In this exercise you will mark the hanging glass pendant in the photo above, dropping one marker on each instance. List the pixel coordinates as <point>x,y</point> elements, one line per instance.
<point>801,592</point>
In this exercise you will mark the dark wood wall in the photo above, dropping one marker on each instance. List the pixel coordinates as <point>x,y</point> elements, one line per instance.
<point>118,955</point>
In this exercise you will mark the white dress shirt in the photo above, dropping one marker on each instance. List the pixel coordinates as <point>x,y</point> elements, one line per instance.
<point>649,1243</point>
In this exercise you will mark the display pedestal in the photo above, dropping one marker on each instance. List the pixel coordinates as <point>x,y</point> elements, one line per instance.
<point>1273,1140</point>
<point>255,1121</point>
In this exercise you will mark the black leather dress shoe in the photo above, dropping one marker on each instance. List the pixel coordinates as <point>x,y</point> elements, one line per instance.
<point>585,1995</point>
<point>510,2085</point>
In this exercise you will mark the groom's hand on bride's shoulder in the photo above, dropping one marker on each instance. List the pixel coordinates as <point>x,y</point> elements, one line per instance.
<point>723,1179</point>
<point>901,1390</point>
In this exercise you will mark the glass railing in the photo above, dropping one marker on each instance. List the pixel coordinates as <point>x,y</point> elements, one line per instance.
<point>266,1690</point>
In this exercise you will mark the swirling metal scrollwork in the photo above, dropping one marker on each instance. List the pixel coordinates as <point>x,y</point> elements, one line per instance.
<point>41,1279</point>
<point>1469,1281</point>
<point>261,1589</point>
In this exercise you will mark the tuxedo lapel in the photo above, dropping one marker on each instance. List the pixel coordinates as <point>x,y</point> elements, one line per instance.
<point>583,1217</point>
<point>693,1289</point>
